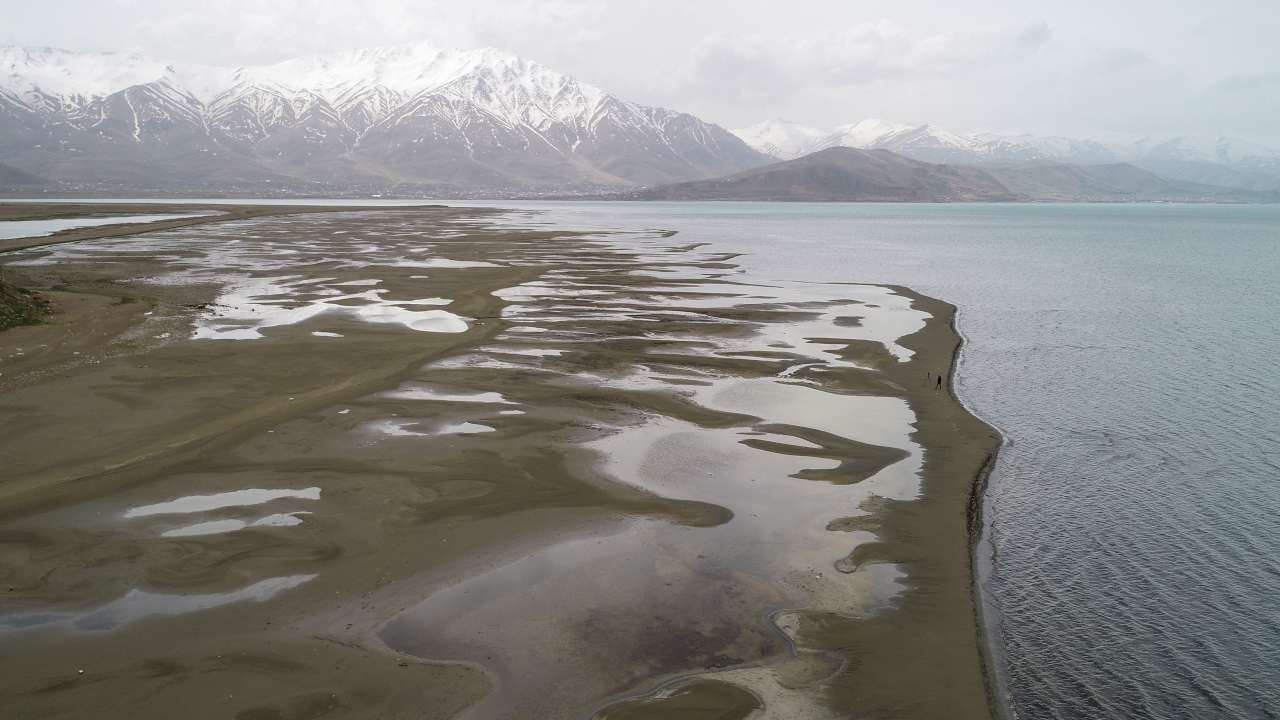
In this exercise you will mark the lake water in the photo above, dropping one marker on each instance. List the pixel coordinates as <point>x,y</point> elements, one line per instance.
<point>10,229</point>
<point>1131,356</point>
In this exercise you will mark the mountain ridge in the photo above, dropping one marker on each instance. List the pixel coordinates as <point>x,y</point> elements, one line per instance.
<point>401,114</point>
<point>1229,162</point>
<point>843,174</point>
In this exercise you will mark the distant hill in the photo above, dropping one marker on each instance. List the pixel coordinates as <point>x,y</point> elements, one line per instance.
<point>854,175</point>
<point>844,174</point>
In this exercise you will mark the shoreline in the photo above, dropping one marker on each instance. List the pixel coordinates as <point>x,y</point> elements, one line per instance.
<point>979,521</point>
<point>924,634</point>
<point>957,479</point>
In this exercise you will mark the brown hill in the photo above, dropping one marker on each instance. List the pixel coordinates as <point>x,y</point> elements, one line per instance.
<point>845,174</point>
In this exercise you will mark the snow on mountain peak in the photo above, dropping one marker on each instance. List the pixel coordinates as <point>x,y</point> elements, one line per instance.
<point>405,70</point>
<point>1207,150</point>
<point>866,133</point>
<point>934,144</point>
<point>415,112</point>
<point>780,138</point>
<point>44,71</point>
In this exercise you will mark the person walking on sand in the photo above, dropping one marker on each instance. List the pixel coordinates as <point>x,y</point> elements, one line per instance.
<point>939,387</point>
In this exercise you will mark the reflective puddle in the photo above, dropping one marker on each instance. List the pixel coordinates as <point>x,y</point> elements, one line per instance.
<point>138,604</point>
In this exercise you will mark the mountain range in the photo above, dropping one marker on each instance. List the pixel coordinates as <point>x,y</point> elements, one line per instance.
<point>845,174</point>
<point>1227,162</point>
<point>410,115</point>
<point>421,120</point>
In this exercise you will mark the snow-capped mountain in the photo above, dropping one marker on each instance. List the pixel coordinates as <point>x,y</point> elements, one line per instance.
<point>1049,148</point>
<point>925,142</point>
<point>1191,149</point>
<point>1228,162</point>
<point>862,134</point>
<point>933,144</point>
<point>922,142</point>
<point>1231,162</point>
<point>780,139</point>
<point>416,114</point>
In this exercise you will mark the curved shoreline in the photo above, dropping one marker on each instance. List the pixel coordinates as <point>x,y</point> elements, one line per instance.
<point>978,538</point>
<point>933,538</point>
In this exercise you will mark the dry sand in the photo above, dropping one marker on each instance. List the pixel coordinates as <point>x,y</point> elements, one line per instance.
<point>426,463</point>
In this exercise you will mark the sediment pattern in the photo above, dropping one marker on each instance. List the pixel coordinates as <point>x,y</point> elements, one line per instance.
<point>422,462</point>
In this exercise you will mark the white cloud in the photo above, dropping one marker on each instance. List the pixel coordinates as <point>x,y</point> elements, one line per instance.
<point>1160,65</point>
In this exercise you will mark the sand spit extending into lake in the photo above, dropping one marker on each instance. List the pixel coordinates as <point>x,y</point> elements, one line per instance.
<point>425,463</point>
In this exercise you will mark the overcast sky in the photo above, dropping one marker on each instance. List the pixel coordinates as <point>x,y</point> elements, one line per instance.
<point>1121,67</point>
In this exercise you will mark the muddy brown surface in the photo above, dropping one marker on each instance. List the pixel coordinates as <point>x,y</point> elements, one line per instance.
<point>431,463</point>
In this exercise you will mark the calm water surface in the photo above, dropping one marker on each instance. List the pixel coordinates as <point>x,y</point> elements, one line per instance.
<point>10,229</point>
<point>1131,356</point>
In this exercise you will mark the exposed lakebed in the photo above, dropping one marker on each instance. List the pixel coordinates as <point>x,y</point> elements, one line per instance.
<point>502,457</point>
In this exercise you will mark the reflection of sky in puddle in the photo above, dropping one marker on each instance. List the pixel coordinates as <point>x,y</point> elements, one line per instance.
<point>659,584</point>
<point>394,428</point>
<point>218,527</point>
<point>656,580</point>
<point>234,498</point>
<point>138,604</point>
<point>870,419</point>
<point>239,256</point>
<point>523,350</point>
<point>420,391</point>
<point>544,289</point>
<point>476,361</point>
<point>465,428</point>
<point>10,229</point>
<point>417,428</point>
<point>883,316</point>
<point>251,304</point>
<point>791,440</point>
<point>442,263</point>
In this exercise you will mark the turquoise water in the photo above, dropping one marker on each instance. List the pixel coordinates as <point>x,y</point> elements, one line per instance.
<point>1131,356</point>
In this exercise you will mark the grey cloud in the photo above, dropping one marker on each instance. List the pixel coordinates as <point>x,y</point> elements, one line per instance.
<point>755,68</point>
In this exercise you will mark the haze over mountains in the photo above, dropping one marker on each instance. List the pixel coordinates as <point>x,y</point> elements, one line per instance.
<point>420,120</point>
<point>413,115</point>
<point>844,174</point>
<point>1228,162</point>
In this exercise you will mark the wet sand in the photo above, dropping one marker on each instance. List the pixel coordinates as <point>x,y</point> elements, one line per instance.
<point>431,463</point>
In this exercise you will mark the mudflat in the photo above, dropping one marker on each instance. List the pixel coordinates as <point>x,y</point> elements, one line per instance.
<point>433,462</point>
<point>198,214</point>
